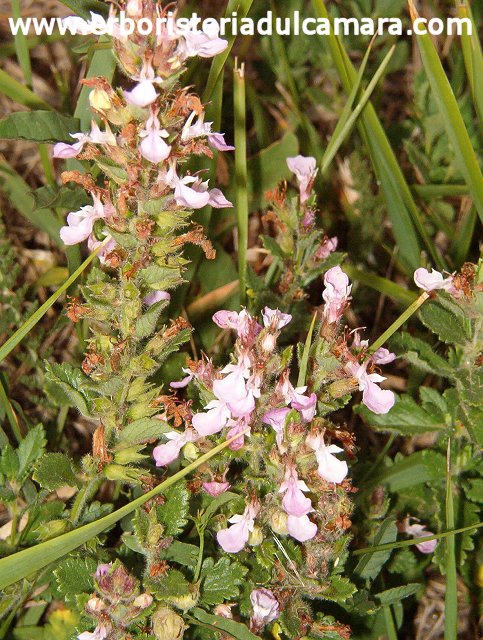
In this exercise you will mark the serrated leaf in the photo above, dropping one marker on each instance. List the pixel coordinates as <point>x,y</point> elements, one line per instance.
<point>161,278</point>
<point>173,514</point>
<point>235,629</point>
<point>74,576</point>
<point>112,170</point>
<point>221,580</point>
<point>142,430</point>
<point>446,324</point>
<point>38,126</point>
<point>182,553</point>
<point>54,470</point>
<point>422,355</point>
<point>9,464</point>
<point>391,596</point>
<point>474,490</point>
<point>417,468</point>
<point>29,451</point>
<point>406,417</point>
<point>172,585</point>
<point>273,247</point>
<point>67,385</point>
<point>146,324</point>
<point>339,589</point>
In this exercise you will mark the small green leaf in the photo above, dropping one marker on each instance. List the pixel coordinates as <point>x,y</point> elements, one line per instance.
<point>447,324</point>
<point>422,355</point>
<point>75,576</point>
<point>221,580</point>
<point>142,430</point>
<point>54,470</point>
<point>173,514</point>
<point>67,385</point>
<point>60,197</point>
<point>371,564</point>
<point>39,126</point>
<point>391,596</point>
<point>29,451</point>
<point>406,417</point>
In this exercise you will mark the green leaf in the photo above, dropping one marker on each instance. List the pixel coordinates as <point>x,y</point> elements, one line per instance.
<point>83,7</point>
<point>391,596</point>
<point>54,470</point>
<point>447,324</point>
<point>215,504</point>
<point>272,245</point>
<point>161,278</point>
<point>112,170</point>
<point>339,589</point>
<point>9,464</point>
<point>371,564</point>
<point>474,490</point>
<point>172,585</point>
<point>221,580</point>
<point>417,468</point>
<point>75,576</point>
<point>406,418</point>
<point>422,355</point>
<point>182,553</point>
<point>67,385</point>
<point>29,451</point>
<point>142,430</point>
<point>173,514</point>
<point>235,629</point>
<point>38,126</point>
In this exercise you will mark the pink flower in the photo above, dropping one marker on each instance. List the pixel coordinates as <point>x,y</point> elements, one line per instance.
<point>241,428</point>
<point>96,136</point>
<point>233,390</point>
<point>305,405</point>
<point>301,528</point>
<point>156,296</point>
<point>201,129</point>
<point>294,502</point>
<point>205,44</point>
<point>336,294</point>
<point>103,569</point>
<point>213,421</point>
<point>433,281</point>
<point>81,223</point>
<point>144,92</point>
<point>214,488</point>
<point>376,399</point>
<point>276,419</point>
<point>99,633</point>
<point>246,327</point>
<point>326,248</point>
<point>329,467</point>
<point>265,608</point>
<point>167,453</point>
<point>234,538</point>
<point>185,381</point>
<point>383,356</point>
<point>196,196</point>
<point>153,147</point>
<point>420,531</point>
<point>275,319</point>
<point>305,170</point>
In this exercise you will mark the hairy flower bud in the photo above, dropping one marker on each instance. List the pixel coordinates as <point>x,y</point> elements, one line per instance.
<point>278,522</point>
<point>187,602</point>
<point>168,625</point>
<point>256,537</point>
<point>99,100</point>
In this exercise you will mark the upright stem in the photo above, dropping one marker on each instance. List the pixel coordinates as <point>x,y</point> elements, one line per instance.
<point>451,596</point>
<point>241,174</point>
<point>399,322</point>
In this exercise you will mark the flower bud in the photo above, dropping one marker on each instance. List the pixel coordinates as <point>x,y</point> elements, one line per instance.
<point>223,610</point>
<point>268,342</point>
<point>143,601</point>
<point>96,604</point>
<point>99,100</point>
<point>190,451</point>
<point>341,388</point>
<point>278,522</point>
<point>128,455</point>
<point>187,602</point>
<point>168,625</point>
<point>256,537</point>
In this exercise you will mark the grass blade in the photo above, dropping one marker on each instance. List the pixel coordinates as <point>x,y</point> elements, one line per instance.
<point>305,355</point>
<point>18,92</point>
<point>21,46</point>
<point>463,237</point>
<point>242,7</point>
<point>404,214</point>
<point>451,596</point>
<point>383,285</point>
<point>9,412</point>
<point>24,563</point>
<point>19,194</point>
<point>451,115</point>
<point>340,135</point>
<point>472,57</point>
<point>241,178</point>
<point>20,334</point>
